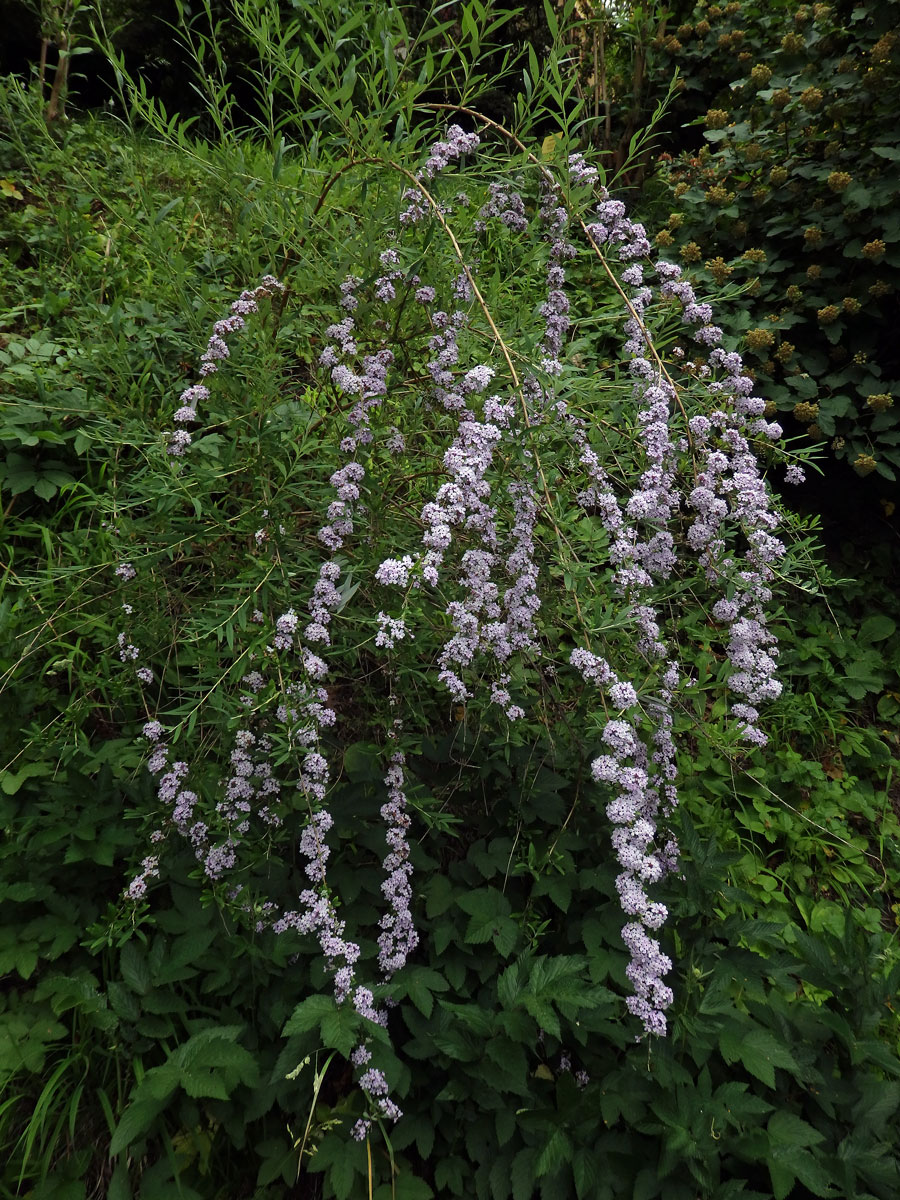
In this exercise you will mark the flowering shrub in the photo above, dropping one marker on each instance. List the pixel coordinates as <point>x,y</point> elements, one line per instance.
<point>470,465</point>
<point>445,899</point>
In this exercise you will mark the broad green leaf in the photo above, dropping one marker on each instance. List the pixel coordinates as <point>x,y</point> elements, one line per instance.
<point>308,1014</point>
<point>136,1120</point>
<point>135,968</point>
<point>791,1130</point>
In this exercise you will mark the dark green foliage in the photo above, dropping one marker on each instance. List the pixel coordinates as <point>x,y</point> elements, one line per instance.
<point>792,200</point>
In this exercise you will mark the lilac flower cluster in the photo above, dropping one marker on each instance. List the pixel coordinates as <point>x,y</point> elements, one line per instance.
<point>398,938</point>
<point>729,491</point>
<point>443,153</point>
<point>504,204</point>
<point>636,779</point>
<point>128,651</point>
<point>179,440</point>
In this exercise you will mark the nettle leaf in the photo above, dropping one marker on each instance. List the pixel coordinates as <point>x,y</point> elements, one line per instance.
<point>522,1174</point>
<point>505,1121</point>
<point>208,1064</point>
<point>341,1029</point>
<point>586,1171</point>
<point>878,1103</point>
<point>796,1163</point>
<point>404,1187</point>
<point>421,983</point>
<point>136,1120</point>
<point>448,1174</point>
<point>488,909</point>
<point>505,936</point>
<point>341,1176</point>
<point>509,986</point>
<point>792,1130</point>
<point>499,1177</point>
<point>309,1014</point>
<point>783,1178</point>
<point>757,1050</point>
<point>135,968</point>
<point>556,1151</point>
<point>438,895</point>
<point>159,1082</point>
<point>737,1104</point>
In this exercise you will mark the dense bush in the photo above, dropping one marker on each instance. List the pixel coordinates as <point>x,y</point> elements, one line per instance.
<point>791,204</point>
<point>170,1042</point>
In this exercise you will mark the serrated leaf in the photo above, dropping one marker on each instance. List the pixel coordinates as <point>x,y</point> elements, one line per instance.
<point>812,1172</point>
<point>135,1121</point>
<point>308,1014</point>
<point>340,1030</point>
<point>878,1103</point>
<point>791,1130</point>
<point>341,1175</point>
<point>586,1172</point>
<point>134,968</point>
<point>207,1084</point>
<point>159,1083</point>
<point>556,1151</point>
<point>522,1174</point>
<point>505,1121</point>
<point>783,1178</point>
<point>758,1050</point>
<point>508,986</point>
<point>505,936</point>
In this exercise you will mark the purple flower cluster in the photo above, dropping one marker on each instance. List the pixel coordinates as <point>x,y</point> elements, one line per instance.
<point>128,651</point>
<point>398,938</point>
<point>627,768</point>
<point>504,204</point>
<point>179,440</point>
<point>729,493</point>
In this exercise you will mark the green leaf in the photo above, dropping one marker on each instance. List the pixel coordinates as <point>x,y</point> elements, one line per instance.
<point>421,996</point>
<point>362,763</point>
<point>877,628</point>
<point>135,968</point>
<point>522,1174</point>
<point>758,1050</point>
<point>309,1014</point>
<point>783,1178</point>
<point>791,1130</point>
<point>405,1187</point>
<point>119,1186</point>
<point>557,1150</point>
<point>505,936</point>
<point>340,1029</point>
<point>509,987</point>
<point>136,1120</point>
<point>586,1170</point>
<point>880,1100</point>
<point>341,1175</point>
<point>487,906</point>
<point>11,781</point>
